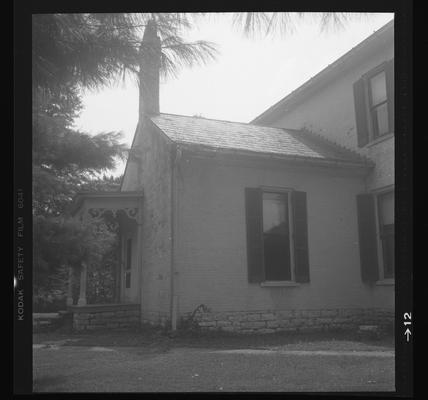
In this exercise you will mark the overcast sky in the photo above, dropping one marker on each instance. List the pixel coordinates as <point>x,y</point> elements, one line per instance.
<point>248,76</point>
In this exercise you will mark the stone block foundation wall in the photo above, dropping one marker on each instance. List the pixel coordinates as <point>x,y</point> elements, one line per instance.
<point>156,318</point>
<point>248,322</point>
<point>46,321</point>
<point>105,316</point>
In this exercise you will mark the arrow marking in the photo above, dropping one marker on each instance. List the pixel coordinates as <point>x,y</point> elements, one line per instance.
<point>407,333</point>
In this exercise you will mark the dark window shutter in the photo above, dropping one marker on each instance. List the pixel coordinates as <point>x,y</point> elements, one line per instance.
<point>389,74</point>
<point>300,222</point>
<point>254,221</point>
<point>367,237</point>
<point>361,112</point>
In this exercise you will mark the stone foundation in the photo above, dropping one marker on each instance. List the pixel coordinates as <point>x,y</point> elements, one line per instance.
<point>120,316</point>
<point>46,321</point>
<point>249,322</point>
<point>155,318</point>
<point>105,316</point>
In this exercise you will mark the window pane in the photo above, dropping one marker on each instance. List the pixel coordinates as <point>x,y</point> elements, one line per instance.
<point>388,255</point>
<point>380,115</point>
<point>386,208</point>
<point>386,227</point>
<point>276,241</point>
<point>277,258</point>
<point>378,88</point>
<point>275,215</point>
<point>127,280</point>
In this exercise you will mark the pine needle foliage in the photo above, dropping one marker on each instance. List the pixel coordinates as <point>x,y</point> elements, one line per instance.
<point>96,50</point>
<point>284,23</point>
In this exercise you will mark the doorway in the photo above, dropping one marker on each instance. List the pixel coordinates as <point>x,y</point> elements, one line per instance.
<point>127,270</point>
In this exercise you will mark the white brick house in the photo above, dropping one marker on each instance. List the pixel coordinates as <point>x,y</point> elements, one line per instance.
<point>284,223</point>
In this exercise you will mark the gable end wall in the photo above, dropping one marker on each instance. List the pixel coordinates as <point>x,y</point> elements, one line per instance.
<point>155,182</point>
<point>330,112</point>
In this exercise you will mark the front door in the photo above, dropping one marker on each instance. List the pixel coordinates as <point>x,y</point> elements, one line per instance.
<point>127,268</point>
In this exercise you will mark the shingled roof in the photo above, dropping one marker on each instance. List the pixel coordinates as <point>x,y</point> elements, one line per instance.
<point>224,135</point>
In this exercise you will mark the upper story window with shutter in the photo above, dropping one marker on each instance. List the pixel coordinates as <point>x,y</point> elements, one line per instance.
<point>374,103</point>
<point>378,104</point>
<point>277,237</point>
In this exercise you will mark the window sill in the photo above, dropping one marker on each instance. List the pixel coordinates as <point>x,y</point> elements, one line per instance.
<point>380,139</point>
<point>386,282</point>
<point>279,284</point>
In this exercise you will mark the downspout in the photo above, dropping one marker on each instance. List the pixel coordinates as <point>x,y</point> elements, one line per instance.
<point>140,252</point>
<point>175,159</point>
<point>138,146</point>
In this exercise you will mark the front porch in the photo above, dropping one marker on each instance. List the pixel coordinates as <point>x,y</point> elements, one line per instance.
<point>121,212</point>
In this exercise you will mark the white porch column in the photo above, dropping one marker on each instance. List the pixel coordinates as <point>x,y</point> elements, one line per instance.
<point>83,278</point>
<point>70,287</point>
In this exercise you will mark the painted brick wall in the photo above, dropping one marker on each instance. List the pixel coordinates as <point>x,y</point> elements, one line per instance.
<point>156,241</point>
<point>211,240</point>
<point>330,112</point>
<point>155,181</point>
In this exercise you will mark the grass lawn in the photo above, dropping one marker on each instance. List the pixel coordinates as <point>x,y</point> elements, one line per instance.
<point>151,361</point>
<point>158,338</point>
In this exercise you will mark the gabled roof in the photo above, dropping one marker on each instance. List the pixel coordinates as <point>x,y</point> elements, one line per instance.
<point>379,38</point>
<point>247,138</point>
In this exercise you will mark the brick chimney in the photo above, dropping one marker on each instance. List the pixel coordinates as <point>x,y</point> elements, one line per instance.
<point>150,51</point>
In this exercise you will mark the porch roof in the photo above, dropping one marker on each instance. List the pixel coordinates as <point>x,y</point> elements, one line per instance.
<point>96,203</point>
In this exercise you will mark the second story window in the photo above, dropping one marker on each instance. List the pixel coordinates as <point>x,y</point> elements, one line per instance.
<point>378,104</point>
<point>374,103</point>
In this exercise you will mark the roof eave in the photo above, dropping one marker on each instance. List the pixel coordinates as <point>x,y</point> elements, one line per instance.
<point>210,152</point>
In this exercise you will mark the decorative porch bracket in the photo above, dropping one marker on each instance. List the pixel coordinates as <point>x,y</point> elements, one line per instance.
<point>95,205</point>
<point>98,213</point>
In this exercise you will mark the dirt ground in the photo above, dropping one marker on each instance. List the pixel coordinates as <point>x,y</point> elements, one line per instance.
<point>154,362</point>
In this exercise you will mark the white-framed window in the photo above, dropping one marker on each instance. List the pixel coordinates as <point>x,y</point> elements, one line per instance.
<point>375,212</point>
<point>277,235</point>
<point>385,233</point>
<point>378,104</point>
<point>374,104</point>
